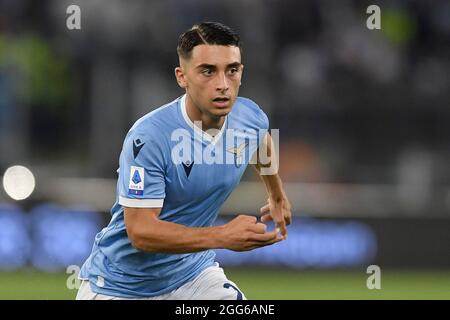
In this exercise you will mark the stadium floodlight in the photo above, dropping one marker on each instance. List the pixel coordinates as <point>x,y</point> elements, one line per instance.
<point>18,182</point>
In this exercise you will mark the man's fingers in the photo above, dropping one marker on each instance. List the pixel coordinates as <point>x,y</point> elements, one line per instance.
<point>258,227</point>
<point>288,220</point>
<point>266,237</point>
<point>282,226</point>
<point>266,218</point>
<point>262,240</point>
<point>265,209</point>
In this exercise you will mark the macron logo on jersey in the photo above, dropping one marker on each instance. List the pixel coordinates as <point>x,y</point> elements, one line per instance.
<point>137,146</point>
<point>136,184</point>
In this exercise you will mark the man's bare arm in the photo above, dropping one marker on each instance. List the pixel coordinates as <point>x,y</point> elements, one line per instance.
<point>278,207</point>
<point>149,233</point>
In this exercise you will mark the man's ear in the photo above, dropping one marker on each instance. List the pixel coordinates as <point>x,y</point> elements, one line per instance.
<point>181,77</point>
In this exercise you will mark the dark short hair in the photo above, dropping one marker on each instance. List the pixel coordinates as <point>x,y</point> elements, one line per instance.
<point>206,33</point>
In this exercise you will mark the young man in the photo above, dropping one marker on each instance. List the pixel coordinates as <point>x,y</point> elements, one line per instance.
<point>159,242</point>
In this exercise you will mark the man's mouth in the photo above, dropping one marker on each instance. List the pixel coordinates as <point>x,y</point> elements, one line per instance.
<point>221,99</point>
<point>221,102</point>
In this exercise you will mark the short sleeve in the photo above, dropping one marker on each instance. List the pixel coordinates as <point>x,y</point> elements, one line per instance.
<point>264,120</point>
<point>141,172</point>
<point>263,125</point>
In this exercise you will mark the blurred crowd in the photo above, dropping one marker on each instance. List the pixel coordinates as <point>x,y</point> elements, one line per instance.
<point>353,105</point>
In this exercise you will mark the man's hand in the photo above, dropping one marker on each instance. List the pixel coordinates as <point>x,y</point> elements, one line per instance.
<point>278,211</point>
<point>244,233</point>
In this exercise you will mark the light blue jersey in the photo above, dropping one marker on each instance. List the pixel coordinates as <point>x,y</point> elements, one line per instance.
<point>167,162</point>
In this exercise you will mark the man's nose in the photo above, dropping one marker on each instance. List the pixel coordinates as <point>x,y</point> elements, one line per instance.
<point>222,82</point>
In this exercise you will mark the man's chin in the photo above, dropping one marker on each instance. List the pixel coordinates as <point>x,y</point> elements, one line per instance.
<point>220,112</point>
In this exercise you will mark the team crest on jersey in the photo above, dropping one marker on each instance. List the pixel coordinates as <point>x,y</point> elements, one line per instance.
<point>238,159</point>
<point>136,184</point>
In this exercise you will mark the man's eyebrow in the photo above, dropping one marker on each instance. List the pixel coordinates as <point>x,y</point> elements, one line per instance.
<point>234,64</point>
<point>206,66</point>
<point>212,66</point>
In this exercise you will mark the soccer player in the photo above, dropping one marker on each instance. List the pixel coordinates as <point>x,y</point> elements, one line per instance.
<point>160,240</point>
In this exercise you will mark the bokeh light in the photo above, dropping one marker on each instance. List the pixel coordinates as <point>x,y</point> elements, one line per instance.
<point>19,182</point>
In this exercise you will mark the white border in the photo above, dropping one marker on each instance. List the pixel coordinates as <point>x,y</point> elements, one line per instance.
<point>141,203</point>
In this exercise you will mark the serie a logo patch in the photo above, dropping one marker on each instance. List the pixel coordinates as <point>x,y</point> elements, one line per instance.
<point>136,184</point>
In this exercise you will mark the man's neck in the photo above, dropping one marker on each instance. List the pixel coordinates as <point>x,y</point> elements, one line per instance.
<point>208,121</point>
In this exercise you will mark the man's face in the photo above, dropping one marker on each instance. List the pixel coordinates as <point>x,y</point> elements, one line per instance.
<point>212,77</point>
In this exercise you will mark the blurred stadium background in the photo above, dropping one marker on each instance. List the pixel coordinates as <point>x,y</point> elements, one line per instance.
<point>364,137</point>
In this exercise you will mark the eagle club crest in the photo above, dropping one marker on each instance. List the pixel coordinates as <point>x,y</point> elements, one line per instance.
<point>187,165</point>
<point>238,153</point>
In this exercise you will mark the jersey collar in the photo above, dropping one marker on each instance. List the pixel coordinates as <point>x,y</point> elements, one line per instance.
<point>196,129</point>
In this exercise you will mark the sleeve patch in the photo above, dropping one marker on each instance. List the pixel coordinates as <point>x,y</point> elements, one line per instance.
<point>136,183</point>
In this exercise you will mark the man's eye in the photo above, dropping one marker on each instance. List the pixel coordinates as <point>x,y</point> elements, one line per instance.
<point>234,70</point>
<point>207,72</point>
